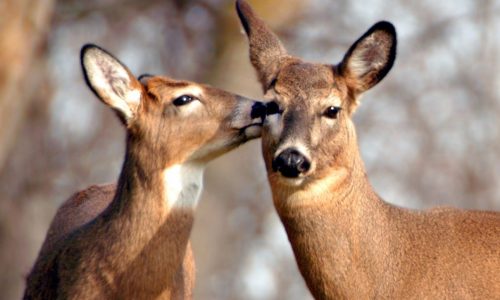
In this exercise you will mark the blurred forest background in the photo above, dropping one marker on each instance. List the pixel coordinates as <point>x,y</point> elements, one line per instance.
<point>429,133</point>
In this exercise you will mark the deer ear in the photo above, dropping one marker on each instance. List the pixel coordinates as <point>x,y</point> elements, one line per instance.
<point>266,49</point>
<point>111,81</point>
<point>370,58</point>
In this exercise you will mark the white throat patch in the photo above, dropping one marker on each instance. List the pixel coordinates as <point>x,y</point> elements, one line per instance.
<point>182,185</point>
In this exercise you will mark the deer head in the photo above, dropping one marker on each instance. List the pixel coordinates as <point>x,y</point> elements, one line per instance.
<point>183,121</point>
<point>308,134</point>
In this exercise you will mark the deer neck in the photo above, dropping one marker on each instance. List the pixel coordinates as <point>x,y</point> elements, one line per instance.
<point>333,224</point>
<point>148,224</point>
<point>151,186</point>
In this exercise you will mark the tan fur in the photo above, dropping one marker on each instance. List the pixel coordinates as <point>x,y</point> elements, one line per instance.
<point>348,242</point>
<point>83,207</point>
<point>127,241</point>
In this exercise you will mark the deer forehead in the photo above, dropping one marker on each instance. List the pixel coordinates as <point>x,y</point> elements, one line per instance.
<point>305,78</point>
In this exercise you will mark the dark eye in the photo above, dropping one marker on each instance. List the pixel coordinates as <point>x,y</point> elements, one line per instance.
<point>272,84</point>
<point>332,112</point>
<point>183,100</point>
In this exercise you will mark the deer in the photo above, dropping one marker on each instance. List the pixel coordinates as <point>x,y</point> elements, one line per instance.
<point>130,240</point>
<point>347,241</point>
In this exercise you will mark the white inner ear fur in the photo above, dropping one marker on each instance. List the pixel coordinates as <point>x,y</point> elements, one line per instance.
<point>360,63</point>
<point>112,82</point>
<point>182,185</point>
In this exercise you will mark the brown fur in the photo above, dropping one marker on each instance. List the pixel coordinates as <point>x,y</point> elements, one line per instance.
<point>86,205</point>
<point>125,241</point>
<point>348,242</point>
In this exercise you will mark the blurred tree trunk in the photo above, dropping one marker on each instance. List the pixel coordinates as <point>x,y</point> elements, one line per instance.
<point>23,28</point>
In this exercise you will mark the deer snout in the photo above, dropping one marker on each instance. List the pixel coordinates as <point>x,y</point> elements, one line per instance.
<point>248,117</point>
<point>291,163</point>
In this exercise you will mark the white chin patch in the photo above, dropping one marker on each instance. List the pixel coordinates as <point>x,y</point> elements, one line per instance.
<point>292,181</point>
<point>253,131</point>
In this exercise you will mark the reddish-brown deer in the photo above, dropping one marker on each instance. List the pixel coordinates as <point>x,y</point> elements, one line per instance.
<point>348,242</point>
<point>131,240</point>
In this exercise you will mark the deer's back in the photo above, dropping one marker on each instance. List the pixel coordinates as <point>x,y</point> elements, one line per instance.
<point>451,252</point>
<point>79,209</point>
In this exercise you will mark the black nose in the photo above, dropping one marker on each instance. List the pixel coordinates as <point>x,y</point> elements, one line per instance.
<point>258,111</point>
<point>272,108</point>
<point>291,163</point>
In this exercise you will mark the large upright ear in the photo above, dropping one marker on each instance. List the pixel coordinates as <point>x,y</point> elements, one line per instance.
<point>370,58</point>
<point>111,81</point>
<point>266,49</point>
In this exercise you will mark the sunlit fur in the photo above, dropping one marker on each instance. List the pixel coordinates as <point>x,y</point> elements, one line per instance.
<point>348,242</point>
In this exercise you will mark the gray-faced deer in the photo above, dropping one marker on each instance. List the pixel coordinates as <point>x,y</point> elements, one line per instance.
<point>347,241</point>
<point>131,241</point>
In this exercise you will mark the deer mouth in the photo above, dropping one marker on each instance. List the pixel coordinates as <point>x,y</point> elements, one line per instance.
<point>252,130</point>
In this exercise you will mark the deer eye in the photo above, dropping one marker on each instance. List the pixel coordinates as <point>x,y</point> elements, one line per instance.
<point>332,112</point>
<point>183,100</point>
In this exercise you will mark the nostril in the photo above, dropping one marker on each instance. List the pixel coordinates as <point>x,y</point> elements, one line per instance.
<point>295,158</point>
<point>258,111</point>
<point>304,166</point>
<point>277,163</point>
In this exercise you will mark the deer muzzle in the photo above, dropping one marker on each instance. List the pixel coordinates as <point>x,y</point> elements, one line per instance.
<point>291,163</point>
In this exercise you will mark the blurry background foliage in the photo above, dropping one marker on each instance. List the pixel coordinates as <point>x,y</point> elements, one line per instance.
<point>429,133</point>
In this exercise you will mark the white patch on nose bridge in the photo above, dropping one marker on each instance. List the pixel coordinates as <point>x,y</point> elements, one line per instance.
<point>274,125</point>
<point>182,185</point>
<point>298,145</point>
